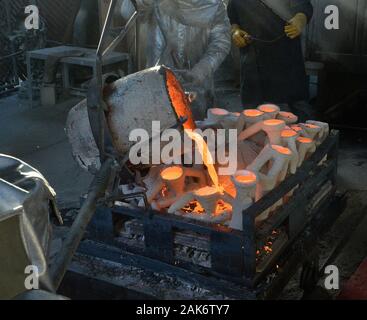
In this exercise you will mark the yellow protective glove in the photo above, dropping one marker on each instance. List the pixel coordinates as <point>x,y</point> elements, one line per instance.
<point>240,37</point>
<point>296,26</point>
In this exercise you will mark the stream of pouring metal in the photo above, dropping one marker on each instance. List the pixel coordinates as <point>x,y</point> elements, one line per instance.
<point>206,156</point>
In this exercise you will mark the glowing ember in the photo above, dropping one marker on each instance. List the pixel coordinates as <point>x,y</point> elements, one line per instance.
<point>194,207</point>
<point>172,173</point>
<point>164,191</point>
<point>268,249</point>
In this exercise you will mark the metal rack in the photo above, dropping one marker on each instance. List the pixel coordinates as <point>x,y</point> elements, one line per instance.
<point>233,253</point>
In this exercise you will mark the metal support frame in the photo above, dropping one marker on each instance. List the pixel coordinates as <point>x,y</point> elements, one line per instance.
<point>233,253</point>
<point>87,60</point>
<point>96,104</point>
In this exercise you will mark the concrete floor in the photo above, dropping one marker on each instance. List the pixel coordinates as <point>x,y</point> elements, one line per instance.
<point>353,163</point>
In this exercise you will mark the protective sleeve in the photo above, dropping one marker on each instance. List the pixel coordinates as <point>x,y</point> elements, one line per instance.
<point>219,43</point>
<point>144,8</point>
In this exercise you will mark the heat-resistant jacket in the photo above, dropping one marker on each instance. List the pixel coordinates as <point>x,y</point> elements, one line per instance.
<point>273,69</point>
<point>186,33</point>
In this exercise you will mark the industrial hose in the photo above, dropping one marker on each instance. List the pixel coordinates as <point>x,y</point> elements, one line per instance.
<point>267,41</point>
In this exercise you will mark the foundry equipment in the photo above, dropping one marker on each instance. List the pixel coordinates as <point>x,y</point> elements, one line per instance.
<point>235,227</point>
<point>239,227</point>
<point>153,94</point>
<point>249,228</point>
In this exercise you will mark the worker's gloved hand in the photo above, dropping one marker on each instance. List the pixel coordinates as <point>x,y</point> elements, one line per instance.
<point>187,76</point>
<point>296,26</point>
<point>240,37</point>
<point>198,74</point>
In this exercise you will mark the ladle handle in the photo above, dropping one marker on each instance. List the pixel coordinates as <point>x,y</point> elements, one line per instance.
<point>86,213</point>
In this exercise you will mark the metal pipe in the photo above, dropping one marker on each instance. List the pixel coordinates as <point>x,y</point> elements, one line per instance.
<point>99,76</point>
<point>122,34</point>
<point>106,28</point>
<point>76,233</point>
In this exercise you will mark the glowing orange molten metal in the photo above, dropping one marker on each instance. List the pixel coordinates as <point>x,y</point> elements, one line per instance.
<point>288,133</point>
<point>311,126</point>
<point>268,108</point>
<point>282,150</point>
<point>207,191</point>
<point>206,156</point>
<point>296,128</point>
<point>304,140</point>
<point>219,112</point>
<point>253,113</point>
<point>246,179</point>
<point>172,173</point>
<point>179,100</point>
<point>273,122</point>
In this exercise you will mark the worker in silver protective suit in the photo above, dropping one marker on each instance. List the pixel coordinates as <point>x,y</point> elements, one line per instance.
<point>190,36</point>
